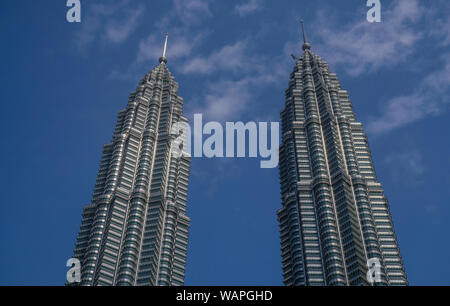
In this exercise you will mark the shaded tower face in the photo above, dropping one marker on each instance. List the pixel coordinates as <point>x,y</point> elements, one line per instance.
<point>135,231</point>
<point>335,220</point>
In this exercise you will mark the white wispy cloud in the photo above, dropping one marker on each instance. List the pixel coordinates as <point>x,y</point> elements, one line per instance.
<point>249,7</point>
<point>441,31</point>
<point>229,98</point>
<point>149,51</point>
<point>440,23</point>
<point>228,58</point>
<point>224,99</point>
<point>363,47</point>
<point>110,22</point>
<point>185,16</point>
<point>118,31</point>
<point>191,12</point>
<point>429,99</point>
<point>182,23</point>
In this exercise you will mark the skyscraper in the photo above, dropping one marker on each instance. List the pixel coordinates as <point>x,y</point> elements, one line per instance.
<point>335,220</point>
<point>135,231</point>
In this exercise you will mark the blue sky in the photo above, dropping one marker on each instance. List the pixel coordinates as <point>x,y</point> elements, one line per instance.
<point>63,84</point>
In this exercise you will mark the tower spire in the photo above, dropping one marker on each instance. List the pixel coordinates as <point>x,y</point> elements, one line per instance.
<point>306,45</point>
<point>163,57</point>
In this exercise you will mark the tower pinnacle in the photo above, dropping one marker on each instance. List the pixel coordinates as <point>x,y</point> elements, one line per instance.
<point>306,45</point>
<point>163,57</point>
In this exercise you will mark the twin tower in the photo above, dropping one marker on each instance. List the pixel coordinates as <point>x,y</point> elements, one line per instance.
<point>335,223</point>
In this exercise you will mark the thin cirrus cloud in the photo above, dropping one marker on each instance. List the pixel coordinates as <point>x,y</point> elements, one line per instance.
<point>228,58</point>
<point>191,11</point>
<point>229,98</point>
<point>111,22</point>
<point>181,24</point>
<point>184,16</point>
<point>150,50</point>
<point>226,98</point>
<point>119,32</point>
<point>362,47</point>
<point>249,7</point>
<point>357,48</point>
<point>430,99</point>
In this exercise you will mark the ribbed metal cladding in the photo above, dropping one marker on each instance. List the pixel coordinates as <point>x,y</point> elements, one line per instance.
<point>135,231</point>
<point>334,214</point>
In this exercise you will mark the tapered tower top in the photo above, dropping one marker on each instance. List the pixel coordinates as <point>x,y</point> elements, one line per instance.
<point>306,45</point>
<point>163,57</point>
